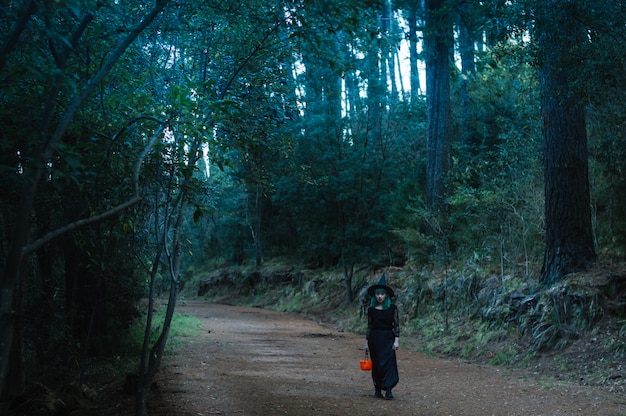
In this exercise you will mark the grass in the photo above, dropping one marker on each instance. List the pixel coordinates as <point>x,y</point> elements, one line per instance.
<point>182,326</point>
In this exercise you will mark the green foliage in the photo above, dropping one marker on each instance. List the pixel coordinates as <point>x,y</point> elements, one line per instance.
<point>485,220</point>
<point>282,138</point>
<point>183,326</point>
<point>560,315</point>
<point>606,142</point>
<point>507,355</point>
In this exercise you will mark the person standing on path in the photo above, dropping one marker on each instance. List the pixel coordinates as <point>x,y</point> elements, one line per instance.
<point>383,338</point>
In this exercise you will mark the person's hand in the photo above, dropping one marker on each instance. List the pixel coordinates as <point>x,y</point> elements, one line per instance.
<point>367,347</point>
<point>396,344</point>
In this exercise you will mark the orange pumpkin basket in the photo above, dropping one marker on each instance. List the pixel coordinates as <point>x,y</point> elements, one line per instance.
<point>366,364</point>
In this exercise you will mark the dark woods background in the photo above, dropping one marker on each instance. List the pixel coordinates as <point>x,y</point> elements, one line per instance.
<point>145,145</point>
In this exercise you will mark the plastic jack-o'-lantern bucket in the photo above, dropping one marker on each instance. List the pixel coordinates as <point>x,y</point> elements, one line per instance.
<point>366,364</point>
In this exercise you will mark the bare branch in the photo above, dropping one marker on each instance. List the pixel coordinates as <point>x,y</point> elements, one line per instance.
<point>107,214</point>
<point>78,224</point>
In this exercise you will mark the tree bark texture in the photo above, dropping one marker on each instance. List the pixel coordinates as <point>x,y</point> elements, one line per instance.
<point>438,41</point>
<point>569,238</point>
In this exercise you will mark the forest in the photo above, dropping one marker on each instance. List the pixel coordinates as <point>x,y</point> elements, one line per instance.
<point>473,150</point>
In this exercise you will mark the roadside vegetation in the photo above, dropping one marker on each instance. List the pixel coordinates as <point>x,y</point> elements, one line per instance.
<point>567,332</point>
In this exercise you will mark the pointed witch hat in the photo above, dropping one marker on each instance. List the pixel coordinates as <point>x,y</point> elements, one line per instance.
<point>382,284</point>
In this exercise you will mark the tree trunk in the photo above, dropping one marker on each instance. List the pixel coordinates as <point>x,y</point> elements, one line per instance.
<point>413,54</point>
<point>438,42</point>
<point>348,272</point>
<point>258,223</point>
<point>569,238</point>
<point>388,51</point>
<point>468,67</point>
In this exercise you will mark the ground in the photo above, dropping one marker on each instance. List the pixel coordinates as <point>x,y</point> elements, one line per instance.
<point>249,361</point>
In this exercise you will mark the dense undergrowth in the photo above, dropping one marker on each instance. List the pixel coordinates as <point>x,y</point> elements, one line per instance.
<point>572,331</point>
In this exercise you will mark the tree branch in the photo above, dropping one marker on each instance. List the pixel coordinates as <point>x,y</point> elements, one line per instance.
<point>20,25</point>
<point>97,78</point>
<point>107,214</point>
<point>78,224</point>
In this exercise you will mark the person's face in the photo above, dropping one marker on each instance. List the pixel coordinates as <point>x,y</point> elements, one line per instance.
<point>380,296</point>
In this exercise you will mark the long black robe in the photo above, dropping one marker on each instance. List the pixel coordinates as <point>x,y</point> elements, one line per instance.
<point>382,329</point>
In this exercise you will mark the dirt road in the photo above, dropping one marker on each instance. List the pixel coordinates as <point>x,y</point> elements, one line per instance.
<point>256,362</point>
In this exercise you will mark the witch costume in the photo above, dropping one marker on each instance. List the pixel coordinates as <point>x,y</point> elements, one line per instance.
<point>382,331</point>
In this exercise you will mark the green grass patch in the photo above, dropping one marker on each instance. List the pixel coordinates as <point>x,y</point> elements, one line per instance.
<point>182,326</point>
<point>506,355</point>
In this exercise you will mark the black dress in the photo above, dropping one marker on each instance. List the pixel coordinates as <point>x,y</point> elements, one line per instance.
<point>382,329</point>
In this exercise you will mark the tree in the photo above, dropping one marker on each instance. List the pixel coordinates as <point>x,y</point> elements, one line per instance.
<point>242,77</point>
<point>438,44</point>
<point>335,187</point>
<point>569,238</point>
<point>37,157</point>
<point>604,86</point>
<point>466,39</point>
<point>414,15</point>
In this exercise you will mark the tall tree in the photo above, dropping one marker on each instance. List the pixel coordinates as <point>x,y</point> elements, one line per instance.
<point>606,114</point>
<point>466,29</point>
<point>413,16</point>
<point>438,44</point>
<point>344,149</point>
<point>569,238</point>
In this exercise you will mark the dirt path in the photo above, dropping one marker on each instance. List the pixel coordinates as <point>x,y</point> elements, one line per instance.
<point>256,362</point>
